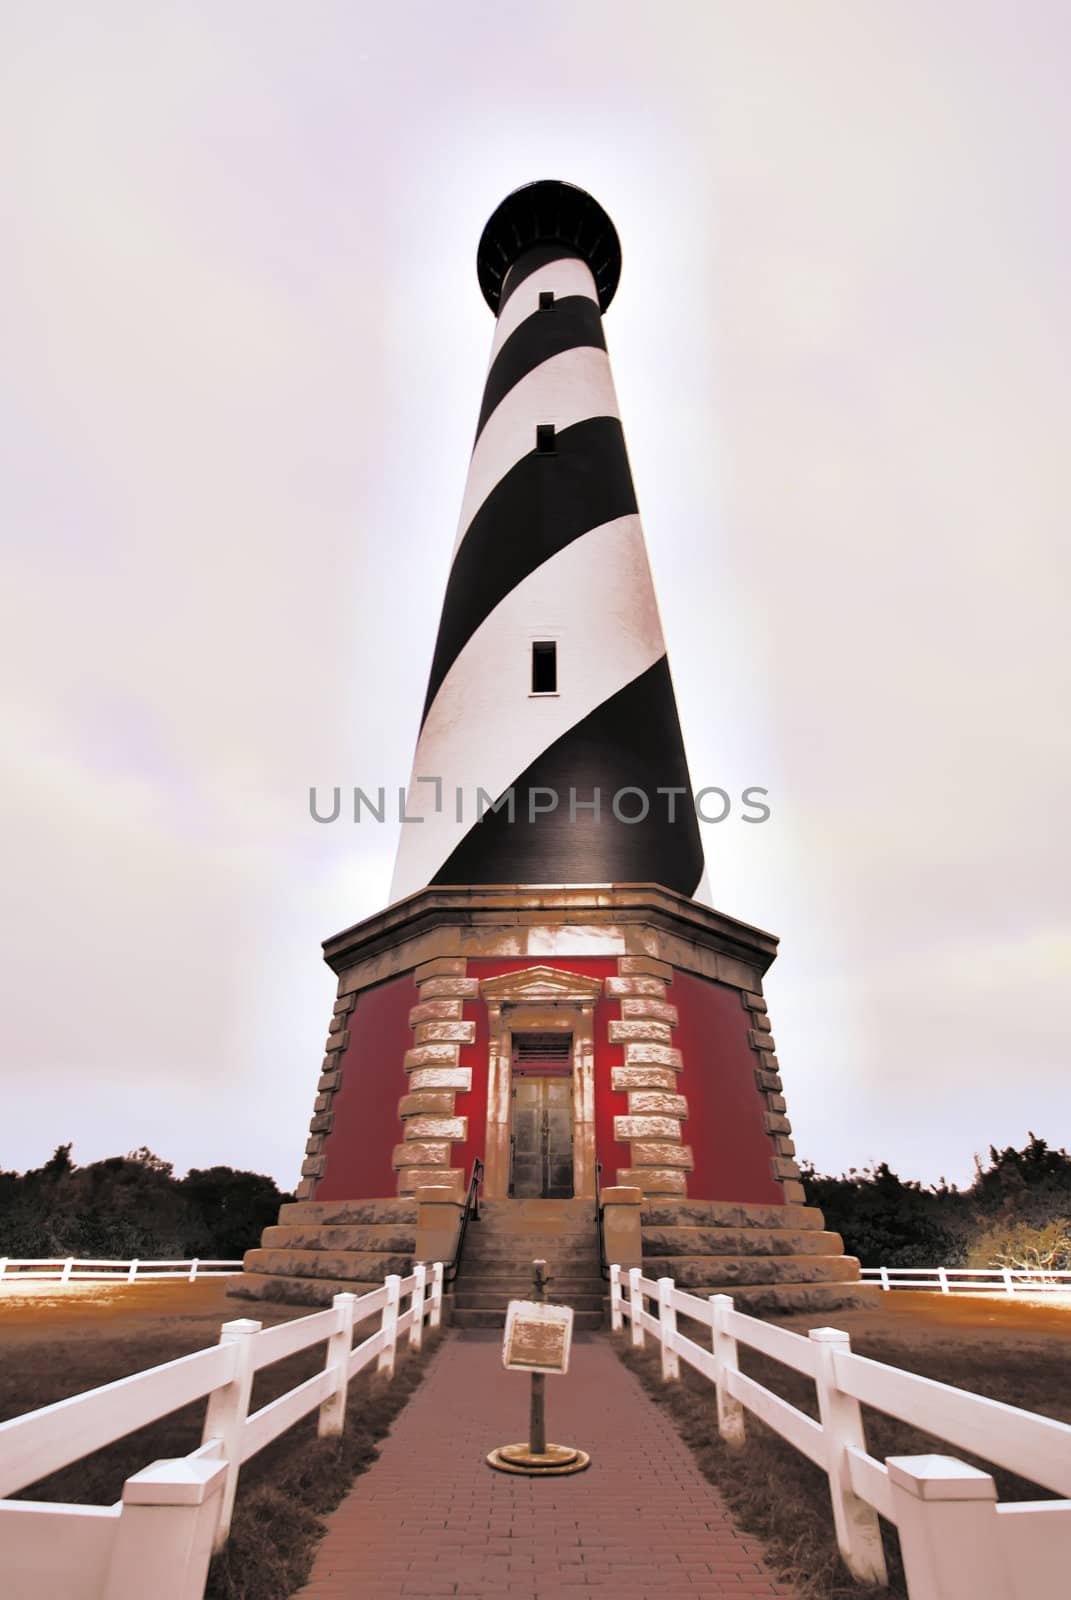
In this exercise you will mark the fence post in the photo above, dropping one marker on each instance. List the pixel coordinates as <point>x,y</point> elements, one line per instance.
<point>390,1325</point>
<point>667,1330</point>
<point>436,1295</point>
<point>416,1327</point>
<point>616,1319</point>
<point>884,1278</point>
<point>635,1302</point>
<point>133,1272</point>
<point>65,1275</point>
<point>163,1542</point>
<point>1009,1286</point>
<point>193,1269</point>
<point>942,1278</point>
<point>333,1409</point>
<point>856,1522</point>
<point>730,1411</point>
<point>226,1412</point>
<point>946,1517</point>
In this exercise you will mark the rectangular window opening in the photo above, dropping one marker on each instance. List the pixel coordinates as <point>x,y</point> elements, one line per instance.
<point>546,299</point>
<point>545,444</point>
<point>544,666</point>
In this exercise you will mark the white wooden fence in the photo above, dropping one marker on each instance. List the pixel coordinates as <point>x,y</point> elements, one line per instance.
<point>970,1280</point>
<point>957,1542</point>
<point>74,1269</point>
<point>159,1538</point>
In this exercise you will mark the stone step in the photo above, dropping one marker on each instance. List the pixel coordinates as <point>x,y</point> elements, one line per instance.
<point>770,1299</point>
<point>727,1214</point>
<point>480,1233</point>
<point>523,1269</point>
<point>692,1241</point>
<point>461,1317</point>
<point>388,1238</point>
<point>519,1280</point>
<point>520,1218</point>
<point>479,1236</point>
<point>358,1266</point>
<point>489,1300</point>
<point>721,1274</point>
<point>521,1260</point>
<point>295,1291</point>
<point>519,1285</point>
<point>349,1213</point>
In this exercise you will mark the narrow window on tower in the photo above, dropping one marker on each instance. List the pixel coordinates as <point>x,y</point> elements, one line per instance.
<point>544,666</point>
<point>545,445</point>
<point>546,299</point>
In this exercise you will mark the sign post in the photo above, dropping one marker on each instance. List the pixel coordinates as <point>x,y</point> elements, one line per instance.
<point>537,1340</point>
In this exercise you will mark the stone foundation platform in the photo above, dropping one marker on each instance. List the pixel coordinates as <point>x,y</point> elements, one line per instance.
<point>769,1258</point>
<point>322,1248</point>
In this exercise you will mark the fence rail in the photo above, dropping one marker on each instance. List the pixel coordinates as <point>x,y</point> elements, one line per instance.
<point>970,1280</point>
<point>957,1542</point>
<point>75,1269</point>
<point>159,1538</point>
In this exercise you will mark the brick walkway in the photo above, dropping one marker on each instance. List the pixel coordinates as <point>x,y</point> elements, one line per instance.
<point>430,1518</point>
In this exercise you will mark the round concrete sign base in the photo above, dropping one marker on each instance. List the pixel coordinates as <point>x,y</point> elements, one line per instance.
<point>554,1461</point>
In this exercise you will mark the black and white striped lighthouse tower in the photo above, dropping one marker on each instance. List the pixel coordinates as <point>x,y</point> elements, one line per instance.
<point>550,693</point>
<point>547,1007</point>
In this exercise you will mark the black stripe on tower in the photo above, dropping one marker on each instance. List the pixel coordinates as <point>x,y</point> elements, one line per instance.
<point>573,323</point>
<point>633,740</point>
<point>542,504</point>
<point>540,256</point>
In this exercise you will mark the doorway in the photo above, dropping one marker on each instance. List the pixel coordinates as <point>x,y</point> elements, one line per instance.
<point>541,1140</point>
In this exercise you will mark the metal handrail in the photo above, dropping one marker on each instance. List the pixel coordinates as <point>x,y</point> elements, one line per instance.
<point>604,1265</point>
<point>471,1209</point>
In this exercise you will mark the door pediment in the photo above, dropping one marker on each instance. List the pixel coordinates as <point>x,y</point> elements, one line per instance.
<point>541,986</point>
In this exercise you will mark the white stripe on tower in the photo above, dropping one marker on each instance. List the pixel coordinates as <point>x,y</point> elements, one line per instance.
<point>564,390</point>
<point>473,736</point>
<point>562,277</point>
<point>549,548</point>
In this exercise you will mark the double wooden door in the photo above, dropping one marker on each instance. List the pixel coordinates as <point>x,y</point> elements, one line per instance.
<point>541,1146</point>
<point>542,1138</point>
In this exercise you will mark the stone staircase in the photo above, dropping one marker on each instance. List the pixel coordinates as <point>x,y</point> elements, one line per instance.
<point>321,1248</point>
<point>769,1258</point>
<point>496,1265</point>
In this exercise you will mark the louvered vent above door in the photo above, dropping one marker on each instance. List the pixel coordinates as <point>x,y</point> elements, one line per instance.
<point>543,1052</point>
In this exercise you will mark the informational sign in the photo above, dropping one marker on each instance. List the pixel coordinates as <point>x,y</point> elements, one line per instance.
<point>538,1337</point>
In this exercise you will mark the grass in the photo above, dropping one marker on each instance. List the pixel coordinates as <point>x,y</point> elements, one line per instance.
<point>1006,1351</point>
<point>781,1498</point>
<point>278,1521</point>
<point>62,1349</point>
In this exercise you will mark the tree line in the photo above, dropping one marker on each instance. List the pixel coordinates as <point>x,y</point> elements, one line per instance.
<point>1015,1213</point>
<point>133,1207</point>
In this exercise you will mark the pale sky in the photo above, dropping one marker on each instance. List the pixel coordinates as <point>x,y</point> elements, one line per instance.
<point>244,350</point>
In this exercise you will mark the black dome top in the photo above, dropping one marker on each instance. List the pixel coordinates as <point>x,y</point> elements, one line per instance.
<point>549,212</point>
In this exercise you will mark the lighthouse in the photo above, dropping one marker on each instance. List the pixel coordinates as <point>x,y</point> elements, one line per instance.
<point>549,1012</point>
<point>549,687</point>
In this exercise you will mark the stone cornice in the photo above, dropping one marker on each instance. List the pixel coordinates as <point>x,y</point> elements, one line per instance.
<point>521,905</point>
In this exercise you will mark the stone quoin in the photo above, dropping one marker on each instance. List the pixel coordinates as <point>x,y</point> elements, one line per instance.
<point>550,991</point>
